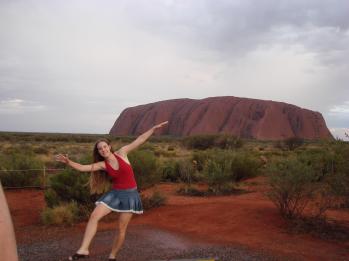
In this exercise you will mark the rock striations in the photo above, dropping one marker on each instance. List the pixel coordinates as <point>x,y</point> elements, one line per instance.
<point>243,117</point>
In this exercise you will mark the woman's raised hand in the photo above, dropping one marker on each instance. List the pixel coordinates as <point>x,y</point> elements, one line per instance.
<point>62,158</point>
<point>160,125</point>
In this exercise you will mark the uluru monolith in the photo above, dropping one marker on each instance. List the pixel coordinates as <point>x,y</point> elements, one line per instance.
<point>242,117</point>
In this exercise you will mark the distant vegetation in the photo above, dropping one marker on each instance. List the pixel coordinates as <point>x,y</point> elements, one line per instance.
<point>306,178</point>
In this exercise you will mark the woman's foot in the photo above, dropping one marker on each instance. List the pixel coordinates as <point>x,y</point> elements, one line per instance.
<point>79,255</point>
<point>112,258</point>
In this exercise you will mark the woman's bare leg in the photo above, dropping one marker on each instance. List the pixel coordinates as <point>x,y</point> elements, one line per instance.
<point>91,228</point>
<point>124,219</point>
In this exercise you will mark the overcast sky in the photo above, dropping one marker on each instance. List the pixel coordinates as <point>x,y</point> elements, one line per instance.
<point>73,66</point>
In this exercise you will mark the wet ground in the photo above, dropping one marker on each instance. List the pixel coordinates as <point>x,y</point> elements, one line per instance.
<point>143,243</point>
<point>236,227</point>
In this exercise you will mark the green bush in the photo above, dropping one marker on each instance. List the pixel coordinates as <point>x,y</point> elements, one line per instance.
<point>64,214</point>
<point>226,141</point>
<point>200,158</point>
<point>244,165</point>
<point>227,188</point>
<point>292,186</point>
<point>171,148</point>
<point>186,171</point>
<point>165,153</point>
<point>51,198</point>
<point>316,178</point>
<point>332,167</point>
<point>293,142</point>
<point>206,141</point>
<point>183,170</point>
<point>155,200</point>
<point>169,170</point>
<point>190,191</point>
<point>25,160</point>
<point>239,165</point>
<point>69,185</point>
<point>200,142</point>
<point>218,173</point>
<point>145,166</point>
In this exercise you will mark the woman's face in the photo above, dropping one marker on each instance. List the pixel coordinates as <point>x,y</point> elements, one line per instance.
<point>103,149</point>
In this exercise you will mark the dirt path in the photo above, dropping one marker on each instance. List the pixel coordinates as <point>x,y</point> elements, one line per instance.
<point>143,243</point>
<point>248,220</point>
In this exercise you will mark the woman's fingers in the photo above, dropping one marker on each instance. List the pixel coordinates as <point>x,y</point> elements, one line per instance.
<point>161,124</point>
<point>62,158</point>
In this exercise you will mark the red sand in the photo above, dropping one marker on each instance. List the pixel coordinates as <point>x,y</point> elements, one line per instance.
<point>248,219</point>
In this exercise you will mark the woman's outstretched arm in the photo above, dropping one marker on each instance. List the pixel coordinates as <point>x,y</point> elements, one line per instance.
<point>140,139</point>
<point>83,168</point>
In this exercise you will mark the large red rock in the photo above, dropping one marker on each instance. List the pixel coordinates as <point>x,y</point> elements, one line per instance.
<point>243,117</point>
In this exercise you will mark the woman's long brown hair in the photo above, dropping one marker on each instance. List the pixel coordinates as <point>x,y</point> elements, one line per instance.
<point>99,180</point>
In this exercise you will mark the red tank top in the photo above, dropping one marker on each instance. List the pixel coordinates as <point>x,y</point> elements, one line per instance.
<point>123,178</point>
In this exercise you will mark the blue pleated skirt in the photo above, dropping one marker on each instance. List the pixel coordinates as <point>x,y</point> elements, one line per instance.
<point>122,200</point>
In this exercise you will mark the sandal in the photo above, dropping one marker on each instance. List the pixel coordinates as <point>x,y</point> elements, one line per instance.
<point>77,256</point>
<point>111,259</point>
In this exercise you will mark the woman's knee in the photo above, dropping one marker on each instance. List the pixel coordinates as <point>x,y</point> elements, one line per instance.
<point>99,212</point>
<point>96,215</point>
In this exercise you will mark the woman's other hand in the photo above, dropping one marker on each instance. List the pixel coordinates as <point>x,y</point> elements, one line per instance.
<point>62,158</point>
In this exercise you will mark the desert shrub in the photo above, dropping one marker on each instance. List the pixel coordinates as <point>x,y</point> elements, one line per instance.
<point>190,191</point>
<point>240,165</point>
<point>200,142</point>
<point>317,178</point>
<point>186,171</point>
<point>225,189</point>
<point>25,160</point>
<point>171,148</point>
<point>218,173</point>
<point>332,167</point>
<point>200,158</point>
<point>183,170</point>
<point>245,165</point>
<point>319,227</point>
<point>279,145</point>
<point>63,214</point>
<point>41,149</point>
<point>155,200</point>
<point>69,185</point>
<point>291,182</point>
<point>51,198</point>
<point>169,170</point>
<point>206,141</point>
<point>165,153</point>
<point>145,167</point>
<point>226,141</point>
<point>293,142</point>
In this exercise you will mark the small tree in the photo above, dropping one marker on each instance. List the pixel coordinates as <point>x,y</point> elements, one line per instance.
<point>292,188</point>
<point>293,142</point>
<point>218,175</point>
<point>145,167</point>
<point>67,186</point>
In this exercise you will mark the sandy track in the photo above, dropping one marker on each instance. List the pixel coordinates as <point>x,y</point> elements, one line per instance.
<point>143,243</point>
<point>249,220</point>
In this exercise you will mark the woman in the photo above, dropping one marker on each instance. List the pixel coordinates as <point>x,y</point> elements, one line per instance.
<point>123,198</point>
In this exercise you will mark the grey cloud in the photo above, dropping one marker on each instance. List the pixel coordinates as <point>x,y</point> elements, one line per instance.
<point>241,26</point>
<point>83,57</point>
